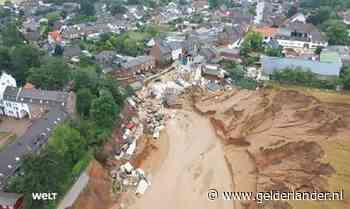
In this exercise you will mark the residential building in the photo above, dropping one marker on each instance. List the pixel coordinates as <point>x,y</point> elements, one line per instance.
<point>267,32</point>
<point>161,52</point>
<point>230,54</point>
<point>11,108</point>
<point>213,70</point>
<point>139,64</point>
<point>131,67</point>
<point>16,102</point>
<point>55,107</point>
<point>298,17</point>
<point>299,35</point>
<point>346,16</point>
<point>231,35</point>
<point>33,140</point>
<point>54,37</point>
<point>209,54</point>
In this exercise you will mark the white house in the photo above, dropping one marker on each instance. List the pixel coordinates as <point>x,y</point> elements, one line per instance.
<point>17,102</point>
<point>300,35</point>
<point>9,108</point>
<point>5,81</point>
<point>298,17</point>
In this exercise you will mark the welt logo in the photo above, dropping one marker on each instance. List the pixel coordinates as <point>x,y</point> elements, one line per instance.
<point>44,196</point>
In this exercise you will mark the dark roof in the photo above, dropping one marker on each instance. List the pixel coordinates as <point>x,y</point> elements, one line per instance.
<point>9,199</point>
<point>164,48</point>
<point>71,51</point>
<point>11,91</point>
<point>310,29</point>
<point>17,94</point>
<point>208,53</point>
<point>28,143</point>
<point>230,51</point>
<point>137,61</point>
<point>57,96</point>
<point>32,35</point>
<point>174,45</point>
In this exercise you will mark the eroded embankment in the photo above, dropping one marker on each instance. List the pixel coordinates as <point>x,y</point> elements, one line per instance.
<point>272,139</point>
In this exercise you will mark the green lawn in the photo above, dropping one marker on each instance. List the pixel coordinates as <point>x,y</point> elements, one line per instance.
<point>328,96</point>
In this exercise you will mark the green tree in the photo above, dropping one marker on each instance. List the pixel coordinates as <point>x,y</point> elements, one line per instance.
<point>318,50</point>
<point>113,87</point>
<point>238,74</point>
<point>87,7</point>
<point>23,57</point>
<point>134,2</point>
<point>274,52</point>
<point>88,129</point>
<point>84,100</point>
<point>345,77</point>
<point>53,16</point>
<point>337,32</point>
<point>292,11</point>
<point>104,110</point>
<point>5,58</point>
<point>320,15</point>
<point>10,35</point>
<point>44,172</point>
<point>304,77</point>
<point>183,2</point>
<point>253,42</point>
<point>53,74</point>
<point>117,7</point>
<point>214,3</point>
<point>68,143</point>
<point>86,78</point>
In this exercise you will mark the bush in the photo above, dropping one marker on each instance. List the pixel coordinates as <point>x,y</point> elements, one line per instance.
<point>82,164</point>
<point>303,77</point>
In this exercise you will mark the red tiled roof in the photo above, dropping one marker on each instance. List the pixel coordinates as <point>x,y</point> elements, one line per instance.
<point>266,31</point>
<point>55,35</point>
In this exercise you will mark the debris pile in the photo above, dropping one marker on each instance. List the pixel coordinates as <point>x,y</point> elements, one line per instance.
<point>126,176</point>
<point>131,132</point>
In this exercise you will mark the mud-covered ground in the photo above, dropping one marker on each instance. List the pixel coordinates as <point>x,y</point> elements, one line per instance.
<point>245,141</point>
<point>281,135</point>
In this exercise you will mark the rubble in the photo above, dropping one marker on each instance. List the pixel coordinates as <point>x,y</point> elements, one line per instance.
<point>151,119</point>
<point>126,176</point>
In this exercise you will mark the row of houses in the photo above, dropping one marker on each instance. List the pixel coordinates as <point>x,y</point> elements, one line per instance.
<point>295,33</point>
<point>45,109</point>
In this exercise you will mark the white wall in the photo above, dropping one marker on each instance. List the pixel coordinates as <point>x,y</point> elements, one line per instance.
<point>300,44</point>
<point>175,53</point>
<point>16,109</point>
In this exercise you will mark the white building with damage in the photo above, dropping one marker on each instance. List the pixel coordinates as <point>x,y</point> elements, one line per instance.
<point>7,107</point>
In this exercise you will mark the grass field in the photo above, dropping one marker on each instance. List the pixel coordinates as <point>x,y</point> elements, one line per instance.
<point>328,96</point>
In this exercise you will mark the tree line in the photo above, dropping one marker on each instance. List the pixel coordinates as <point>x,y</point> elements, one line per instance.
<point>99,101</point>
